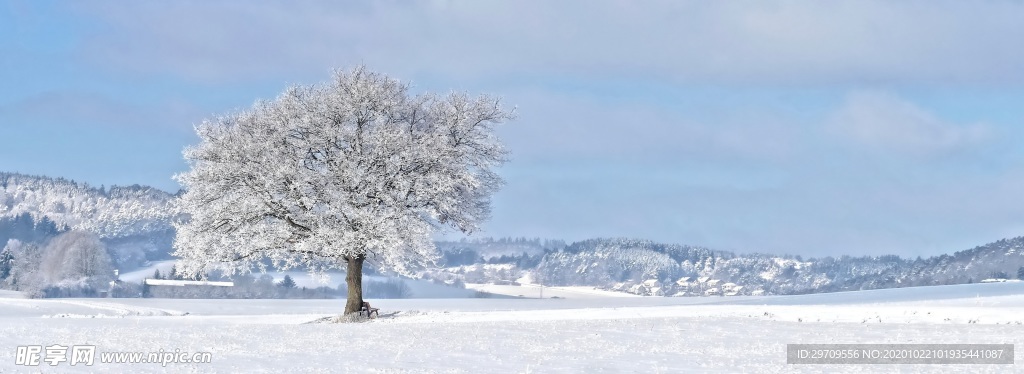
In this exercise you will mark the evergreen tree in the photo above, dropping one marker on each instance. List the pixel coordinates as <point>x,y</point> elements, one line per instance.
<point>1020,273</point>
<point>7,261</point>
<point>156,274</point>
<point>287,282</point>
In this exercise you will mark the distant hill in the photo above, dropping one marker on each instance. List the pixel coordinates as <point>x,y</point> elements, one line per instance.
<point>499,250</point>
<point>134,221</point>
<point>646,267</point>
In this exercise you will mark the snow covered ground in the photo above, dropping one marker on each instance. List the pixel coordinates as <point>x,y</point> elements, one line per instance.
<point>536,291</point>
<point>585,333</point>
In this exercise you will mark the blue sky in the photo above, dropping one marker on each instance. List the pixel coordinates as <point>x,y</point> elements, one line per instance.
<point>814,128</point>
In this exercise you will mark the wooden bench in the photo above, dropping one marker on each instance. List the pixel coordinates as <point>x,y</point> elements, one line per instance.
<point>368,311</point>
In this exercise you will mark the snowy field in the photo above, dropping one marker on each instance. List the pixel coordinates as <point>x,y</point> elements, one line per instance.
<point>581,331</point>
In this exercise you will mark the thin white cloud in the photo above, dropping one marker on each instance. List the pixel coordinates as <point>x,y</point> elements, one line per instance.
<point>581,129</point>
<point>887,122</point>
<point>736,42</point>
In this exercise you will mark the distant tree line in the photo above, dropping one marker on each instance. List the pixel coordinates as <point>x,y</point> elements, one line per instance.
<point>264,287</point>
<point>605,262</point>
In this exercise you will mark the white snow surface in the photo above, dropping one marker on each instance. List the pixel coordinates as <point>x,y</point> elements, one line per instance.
<point>586,333</point>
<point>537,291</point>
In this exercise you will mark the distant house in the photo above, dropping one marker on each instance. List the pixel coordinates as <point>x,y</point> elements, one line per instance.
<point>703,279</point>
<point>713,282</point>
<point>757,293</point>
<point>712,291</point>
<point>638,289</point>
<point>650,287</point>
<point>683,282</point>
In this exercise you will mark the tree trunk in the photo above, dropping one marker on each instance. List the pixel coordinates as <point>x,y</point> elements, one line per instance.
<point>354,278</point>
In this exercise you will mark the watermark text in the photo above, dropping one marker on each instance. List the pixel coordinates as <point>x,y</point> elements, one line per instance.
<point>86,355</point>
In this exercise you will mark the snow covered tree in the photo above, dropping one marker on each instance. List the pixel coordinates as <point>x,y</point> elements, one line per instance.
<point>76,256</point>
<point>333,175</point>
